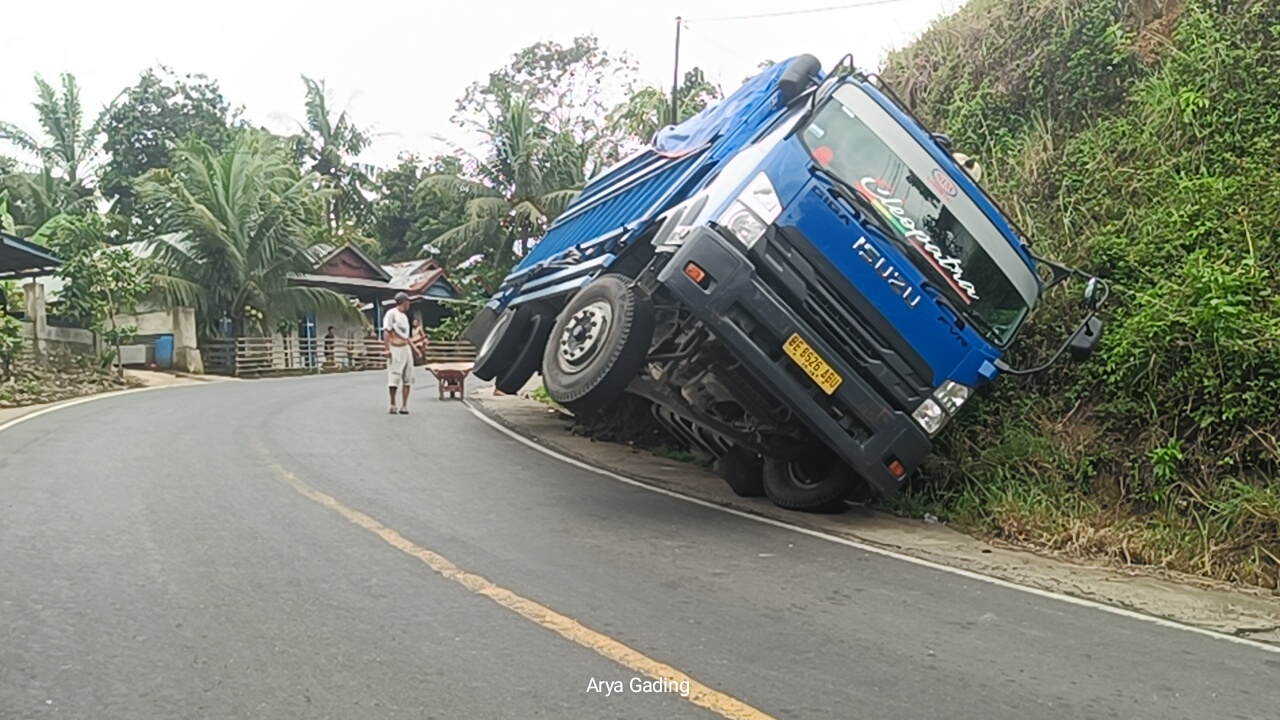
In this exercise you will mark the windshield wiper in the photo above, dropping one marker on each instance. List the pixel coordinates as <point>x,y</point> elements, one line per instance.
<point>864,207</point>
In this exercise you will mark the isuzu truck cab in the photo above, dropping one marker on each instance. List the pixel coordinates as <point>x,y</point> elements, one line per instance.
<point>803,279</point>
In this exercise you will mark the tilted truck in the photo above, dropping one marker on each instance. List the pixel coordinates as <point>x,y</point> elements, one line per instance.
<point>803,279</point>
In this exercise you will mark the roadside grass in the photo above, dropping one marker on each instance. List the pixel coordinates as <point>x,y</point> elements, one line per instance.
<point>540,394</point>
<point>679,454</point>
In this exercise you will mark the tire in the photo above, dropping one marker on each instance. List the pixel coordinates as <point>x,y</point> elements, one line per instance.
<point>862,493</point>
<point>506,338</point>
<point>742,472</point>
<point>816,481</point>
<point>797,78</point>
<point>526,362</point>
<point>598,345</point>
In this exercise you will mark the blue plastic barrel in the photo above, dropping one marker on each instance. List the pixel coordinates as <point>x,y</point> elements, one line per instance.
<point>164,351</point>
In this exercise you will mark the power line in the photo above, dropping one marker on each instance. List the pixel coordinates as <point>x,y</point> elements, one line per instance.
<point>707,39</point>
<point>866,3</point>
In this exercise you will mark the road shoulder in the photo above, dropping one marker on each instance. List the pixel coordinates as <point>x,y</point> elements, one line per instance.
<point>141,380</point>
<point>1191,601</point>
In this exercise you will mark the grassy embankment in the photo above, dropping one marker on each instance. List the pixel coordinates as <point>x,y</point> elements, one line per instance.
<point>1143,145</point>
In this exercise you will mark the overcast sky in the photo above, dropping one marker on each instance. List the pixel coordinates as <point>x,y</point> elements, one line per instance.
<point>399,66</point>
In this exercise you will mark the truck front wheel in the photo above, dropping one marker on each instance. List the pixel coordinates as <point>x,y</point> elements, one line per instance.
<point>742,472</point>
<point>817,481</point>
<point>598,345</point>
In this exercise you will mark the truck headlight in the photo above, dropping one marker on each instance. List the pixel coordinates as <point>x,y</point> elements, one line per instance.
<point>753,211</point>
<point>743,224</point>
<point>930,416</point>
<point>951,395</point>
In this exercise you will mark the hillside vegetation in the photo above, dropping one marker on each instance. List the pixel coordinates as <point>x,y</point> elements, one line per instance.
<point>1139,140</point>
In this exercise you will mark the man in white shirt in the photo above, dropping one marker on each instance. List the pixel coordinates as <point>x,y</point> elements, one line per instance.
<point>396,337</point>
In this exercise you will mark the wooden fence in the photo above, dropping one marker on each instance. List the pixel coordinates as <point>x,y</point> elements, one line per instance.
<point>256,356</point>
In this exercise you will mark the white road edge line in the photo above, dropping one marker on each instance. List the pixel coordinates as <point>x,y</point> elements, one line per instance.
<point>1122,612</point>
<point>91,398</point>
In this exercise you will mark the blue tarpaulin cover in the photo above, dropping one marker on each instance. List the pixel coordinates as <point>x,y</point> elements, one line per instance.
<point>707,125</point>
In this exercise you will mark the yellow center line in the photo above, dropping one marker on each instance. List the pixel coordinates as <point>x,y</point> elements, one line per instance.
<point>568,628</point>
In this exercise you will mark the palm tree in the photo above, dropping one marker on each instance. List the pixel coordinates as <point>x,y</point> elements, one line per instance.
<point>513,194</point>
<point>234,226</point>
<point>648,110</point>
<point>69,147</point>
<point>328,146</point>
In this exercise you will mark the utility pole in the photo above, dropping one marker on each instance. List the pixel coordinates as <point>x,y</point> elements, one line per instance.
<point>675,78</point>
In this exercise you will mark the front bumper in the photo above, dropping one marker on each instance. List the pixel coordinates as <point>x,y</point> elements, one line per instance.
<point>752,320</point>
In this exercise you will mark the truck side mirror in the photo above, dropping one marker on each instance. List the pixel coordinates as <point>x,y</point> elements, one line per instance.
<point>1086,340</point>
<point>1091,295</point>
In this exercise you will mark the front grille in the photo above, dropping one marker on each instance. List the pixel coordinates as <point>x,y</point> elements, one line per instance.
<point>892,367</point>
<point>833,405</point>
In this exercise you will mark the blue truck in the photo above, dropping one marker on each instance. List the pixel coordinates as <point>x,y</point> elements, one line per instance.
<point>805,282</point>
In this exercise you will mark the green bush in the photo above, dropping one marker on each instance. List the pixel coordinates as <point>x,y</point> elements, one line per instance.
<point>11,342</point>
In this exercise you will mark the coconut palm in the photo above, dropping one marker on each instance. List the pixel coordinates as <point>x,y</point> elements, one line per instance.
<point>648,110</point>
<point>327,147</point>
<point>69,146</point>
<point>234,226</point>
<point>527,178</point>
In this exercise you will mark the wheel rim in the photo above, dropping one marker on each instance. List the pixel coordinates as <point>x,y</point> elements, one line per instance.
<point>807,473</point>
<point>799,475</point>
<point>584,336</point>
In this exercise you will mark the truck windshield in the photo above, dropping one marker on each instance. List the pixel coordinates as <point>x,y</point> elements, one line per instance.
<point>944,233</point>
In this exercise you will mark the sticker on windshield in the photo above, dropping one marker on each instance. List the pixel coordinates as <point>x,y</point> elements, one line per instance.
<point>939,181</point>
<point>816,131</point>
<point>880,193</point>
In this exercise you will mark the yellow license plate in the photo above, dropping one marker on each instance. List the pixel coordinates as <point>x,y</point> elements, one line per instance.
<point>812,363</point>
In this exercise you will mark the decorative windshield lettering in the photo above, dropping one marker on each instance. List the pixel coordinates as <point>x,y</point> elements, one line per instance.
<point>880,194</point>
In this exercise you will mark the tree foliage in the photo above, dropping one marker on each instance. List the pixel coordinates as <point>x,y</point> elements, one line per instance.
<point>511,195</point>
<point>69,146</point>
<point>410,218</point>
<point>328,146</point>
<point>101,280</point>
<point>233,226</point>
<point>648,109</point>
<point>151,117</point>
<point>11,342</point>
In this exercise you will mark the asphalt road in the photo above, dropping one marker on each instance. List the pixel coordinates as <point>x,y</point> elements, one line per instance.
<point>270,550</point>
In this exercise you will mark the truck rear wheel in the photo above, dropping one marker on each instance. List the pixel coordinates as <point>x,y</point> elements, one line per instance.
<point>817,481</point>
<point>598,345</point>
<point>527,360</point>
<point>506,338</point>
<point>742,472</point>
